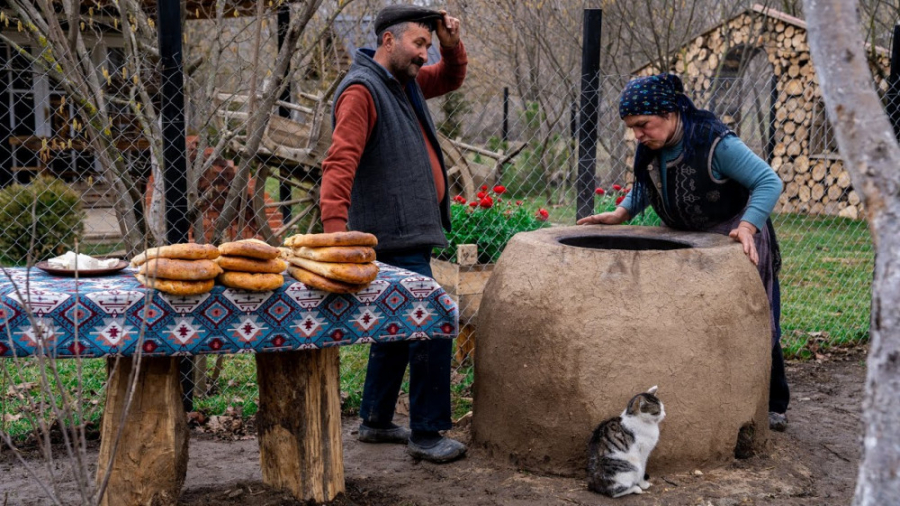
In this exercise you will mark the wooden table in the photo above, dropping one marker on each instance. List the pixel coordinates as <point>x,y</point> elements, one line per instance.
<point>294,332</point>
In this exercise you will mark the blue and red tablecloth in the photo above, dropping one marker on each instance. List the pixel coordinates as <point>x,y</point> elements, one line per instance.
<point>114,315</point>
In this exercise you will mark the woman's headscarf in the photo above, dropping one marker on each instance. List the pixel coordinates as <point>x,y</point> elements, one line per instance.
<point>653,95</point>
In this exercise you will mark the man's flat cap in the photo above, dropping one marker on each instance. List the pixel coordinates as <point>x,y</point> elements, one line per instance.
<point>394,14</point>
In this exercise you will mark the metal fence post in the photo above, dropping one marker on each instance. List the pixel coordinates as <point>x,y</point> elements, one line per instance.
<point>771,141</point>
<point>284,189</point>
<point>504,134</point>
<point>174,161</point>
<point>590,98</point>
<point>168,17</point>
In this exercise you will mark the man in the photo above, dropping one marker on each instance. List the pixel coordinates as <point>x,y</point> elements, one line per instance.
<point>385,174</point>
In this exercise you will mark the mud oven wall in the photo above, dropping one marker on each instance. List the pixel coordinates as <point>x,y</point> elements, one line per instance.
<point>570,333</point>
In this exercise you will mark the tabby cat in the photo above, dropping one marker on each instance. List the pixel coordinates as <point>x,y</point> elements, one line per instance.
<point>620,446</point>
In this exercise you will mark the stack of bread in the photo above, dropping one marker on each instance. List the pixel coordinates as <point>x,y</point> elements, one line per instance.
<point>339,262</point>
<point>178,269</point>
<point>250,264</point>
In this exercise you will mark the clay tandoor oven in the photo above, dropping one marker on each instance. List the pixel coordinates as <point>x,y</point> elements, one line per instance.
<point>576,320</point>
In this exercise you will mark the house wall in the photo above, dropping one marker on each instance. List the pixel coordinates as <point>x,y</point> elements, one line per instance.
<point>31,104</point>
<point>801,146</point>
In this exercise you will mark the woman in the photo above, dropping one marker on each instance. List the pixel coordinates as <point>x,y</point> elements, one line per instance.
<point>698,175</point>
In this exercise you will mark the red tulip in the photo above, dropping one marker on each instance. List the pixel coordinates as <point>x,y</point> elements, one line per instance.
<point>499,189</point>
<point>481,195</point>
<point>518,202</point>
<point>542,214</point>
<point>617,188</point>
<point>484,187</point>
<point>473,204</point>
<point>486,202</point>
<point>599,191</point>
<point>620,199</point>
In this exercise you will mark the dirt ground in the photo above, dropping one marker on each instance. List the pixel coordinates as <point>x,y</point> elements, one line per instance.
<point>813,463</point>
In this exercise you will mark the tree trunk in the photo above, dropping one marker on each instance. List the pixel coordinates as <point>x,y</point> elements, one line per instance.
<point>299,422</point>
<point>149,460</point>
<point>871,155</point>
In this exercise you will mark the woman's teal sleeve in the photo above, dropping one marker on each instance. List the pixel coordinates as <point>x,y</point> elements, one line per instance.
<point>732,159</point>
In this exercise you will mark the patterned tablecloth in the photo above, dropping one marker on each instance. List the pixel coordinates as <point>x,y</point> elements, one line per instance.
<point>112,312</point>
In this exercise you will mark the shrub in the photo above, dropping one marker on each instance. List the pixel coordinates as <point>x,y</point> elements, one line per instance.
<point>490,221</point>
<point>60,220</point>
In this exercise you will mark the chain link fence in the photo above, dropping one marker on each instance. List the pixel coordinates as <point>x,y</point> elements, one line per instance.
<point>82,145</point>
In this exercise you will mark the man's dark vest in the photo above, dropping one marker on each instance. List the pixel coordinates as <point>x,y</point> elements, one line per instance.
<point>695,199</point>
<point>394,195</point>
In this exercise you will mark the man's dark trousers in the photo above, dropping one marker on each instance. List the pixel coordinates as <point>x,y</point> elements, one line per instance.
<point>429,367</point>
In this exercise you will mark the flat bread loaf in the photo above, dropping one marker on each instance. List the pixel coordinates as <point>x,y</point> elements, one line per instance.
<point>314,281</point>
<point>252,248</point>
<point>338,254</point>
<point>245,264</point>
<point>352,238</point>
<point>354,274</point>
<point>177,287</point>
<point>181,270</point>
<point>186,251</point>
<point>254,282</point>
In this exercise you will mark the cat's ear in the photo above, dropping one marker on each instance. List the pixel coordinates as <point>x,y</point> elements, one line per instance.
<point>652,390</point>
<point>635,405</point>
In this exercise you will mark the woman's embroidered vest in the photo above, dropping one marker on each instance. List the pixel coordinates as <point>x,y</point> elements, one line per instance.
<point>694,199</point>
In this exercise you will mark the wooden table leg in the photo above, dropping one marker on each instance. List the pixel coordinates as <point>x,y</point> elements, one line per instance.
<point>299,422</point>
<point>150,462</point>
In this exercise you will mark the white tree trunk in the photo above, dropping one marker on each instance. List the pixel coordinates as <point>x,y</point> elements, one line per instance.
<point>156,214</point>
<point>870,151</point>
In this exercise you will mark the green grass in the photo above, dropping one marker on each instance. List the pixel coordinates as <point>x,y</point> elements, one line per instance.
<point>236,388</point>
<point>20,405</point>
<point>826,281</point>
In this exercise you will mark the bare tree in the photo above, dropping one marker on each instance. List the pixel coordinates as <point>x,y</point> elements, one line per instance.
<point>871,153</point>
<point>101,93</point>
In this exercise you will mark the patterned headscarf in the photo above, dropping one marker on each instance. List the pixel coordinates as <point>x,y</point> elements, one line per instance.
<point>652,95</point>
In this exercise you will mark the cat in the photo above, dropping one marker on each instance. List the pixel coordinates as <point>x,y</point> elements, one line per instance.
<point>620,446</point>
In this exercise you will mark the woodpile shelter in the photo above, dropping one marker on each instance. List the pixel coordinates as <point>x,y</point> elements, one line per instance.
<point>756,73</point>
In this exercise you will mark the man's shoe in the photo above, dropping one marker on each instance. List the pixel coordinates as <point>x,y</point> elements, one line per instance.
<point>777,421</point>
<point>445,450</point>
<point>395,435</point>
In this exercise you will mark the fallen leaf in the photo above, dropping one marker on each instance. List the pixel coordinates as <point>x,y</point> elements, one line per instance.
<point>402,407</point>
<point>464,421</point>
<point>17,389</point>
